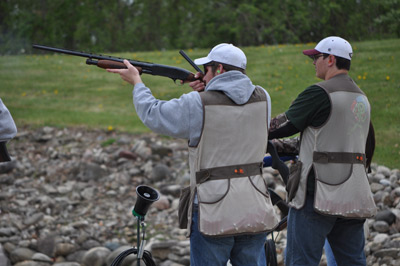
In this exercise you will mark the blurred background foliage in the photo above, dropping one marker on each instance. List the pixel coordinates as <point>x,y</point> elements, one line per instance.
<point>146,25</point>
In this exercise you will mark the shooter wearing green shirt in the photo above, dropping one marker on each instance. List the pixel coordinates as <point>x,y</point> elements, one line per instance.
<point>329,194</point>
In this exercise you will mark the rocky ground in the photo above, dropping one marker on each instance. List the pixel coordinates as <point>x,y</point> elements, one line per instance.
<point>67,196</point>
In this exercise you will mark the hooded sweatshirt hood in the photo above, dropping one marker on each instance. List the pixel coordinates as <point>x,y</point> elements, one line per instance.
<point>236,85</point>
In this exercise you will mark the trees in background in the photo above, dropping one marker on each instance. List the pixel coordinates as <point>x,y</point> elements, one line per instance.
<point>139,25</point>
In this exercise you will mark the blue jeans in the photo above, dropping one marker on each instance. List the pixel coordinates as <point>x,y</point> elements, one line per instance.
<point>241,250</point>
<point>330,258</point>
<point>306,233</point>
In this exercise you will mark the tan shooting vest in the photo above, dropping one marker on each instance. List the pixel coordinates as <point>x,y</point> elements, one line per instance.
<point>336,151</point>
<point>226,167</point>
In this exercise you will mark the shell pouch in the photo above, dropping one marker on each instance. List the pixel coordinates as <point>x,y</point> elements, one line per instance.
<point>183,208</point>
<point>293,180</point>
<point>233,206</point>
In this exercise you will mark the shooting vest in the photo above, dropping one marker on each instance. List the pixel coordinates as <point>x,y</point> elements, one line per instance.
<point>226,167</point>
<point>336,152</point>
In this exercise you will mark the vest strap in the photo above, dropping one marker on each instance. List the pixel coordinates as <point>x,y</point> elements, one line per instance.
<point>339,157</point>
<point>227,172</point>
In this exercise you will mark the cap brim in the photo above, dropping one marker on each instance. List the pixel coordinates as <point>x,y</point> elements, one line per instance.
<point>311,52</point>
<point>202,61</point>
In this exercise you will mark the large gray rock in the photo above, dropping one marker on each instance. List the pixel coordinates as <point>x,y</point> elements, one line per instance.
<point>21,254</point>
<point>95,256</point>
<point>4,261</point>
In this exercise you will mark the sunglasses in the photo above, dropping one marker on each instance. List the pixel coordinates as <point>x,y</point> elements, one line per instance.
<point>315,57</point>
<point>208,65</point>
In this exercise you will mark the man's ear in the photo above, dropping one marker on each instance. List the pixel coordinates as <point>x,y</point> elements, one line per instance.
<point>331,60</point>
<point>220,69</point>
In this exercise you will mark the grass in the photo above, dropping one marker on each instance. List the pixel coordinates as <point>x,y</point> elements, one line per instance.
<point>61,91</point>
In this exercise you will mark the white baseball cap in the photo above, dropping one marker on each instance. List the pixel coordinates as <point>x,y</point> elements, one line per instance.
<point>226,54</point>
<point>332,45</point>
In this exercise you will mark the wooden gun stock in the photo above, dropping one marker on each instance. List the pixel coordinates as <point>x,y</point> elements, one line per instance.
<point>109,64</point>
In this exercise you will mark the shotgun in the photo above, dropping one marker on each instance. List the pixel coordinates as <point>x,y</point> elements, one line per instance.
<point>190,61</point>
<point>106,61</point>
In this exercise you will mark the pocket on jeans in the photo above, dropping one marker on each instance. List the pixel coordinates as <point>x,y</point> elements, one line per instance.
<point>294,180</point>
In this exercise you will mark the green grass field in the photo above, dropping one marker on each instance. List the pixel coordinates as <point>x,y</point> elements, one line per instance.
<point>60,90</point>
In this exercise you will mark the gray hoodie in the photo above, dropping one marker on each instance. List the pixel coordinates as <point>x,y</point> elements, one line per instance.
<point>183,117</point>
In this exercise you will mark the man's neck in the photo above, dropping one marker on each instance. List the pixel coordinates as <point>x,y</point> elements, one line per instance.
<point>335,72</point>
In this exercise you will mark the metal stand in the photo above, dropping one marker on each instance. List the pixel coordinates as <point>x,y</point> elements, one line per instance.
<point>138,240</point>
<point>146,196</point>
<point>140,246</point>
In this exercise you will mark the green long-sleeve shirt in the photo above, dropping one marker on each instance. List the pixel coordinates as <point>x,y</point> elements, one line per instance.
<point>311,108</point>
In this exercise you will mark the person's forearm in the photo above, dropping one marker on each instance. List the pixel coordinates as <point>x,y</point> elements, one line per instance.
<point>281,127</point>
<point>165,117</point>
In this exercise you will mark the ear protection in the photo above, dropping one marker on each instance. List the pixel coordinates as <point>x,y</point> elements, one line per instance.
<point>218,71</point>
